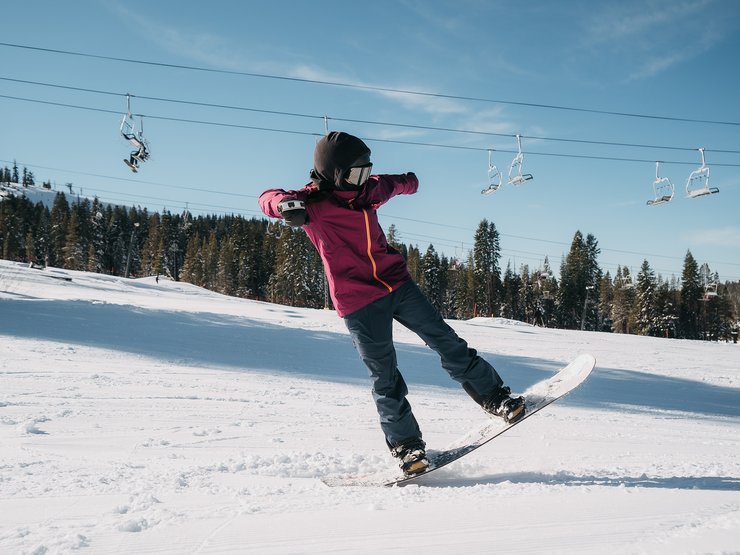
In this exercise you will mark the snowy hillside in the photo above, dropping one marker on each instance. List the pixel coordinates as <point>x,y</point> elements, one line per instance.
<point>33,193</point>
<point>145,417</point>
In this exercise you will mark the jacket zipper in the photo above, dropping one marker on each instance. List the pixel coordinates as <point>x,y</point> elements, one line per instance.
<point>370,254</point>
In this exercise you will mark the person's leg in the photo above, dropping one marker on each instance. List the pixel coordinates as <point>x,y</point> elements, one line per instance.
<point>478,378</point>
<point>415,312</point>
<point>371,329</point>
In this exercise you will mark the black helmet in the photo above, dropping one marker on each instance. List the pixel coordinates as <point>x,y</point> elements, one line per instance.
<point>333,157</point>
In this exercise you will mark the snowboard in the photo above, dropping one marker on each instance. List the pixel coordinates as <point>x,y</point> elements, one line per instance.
<point>536,397</point>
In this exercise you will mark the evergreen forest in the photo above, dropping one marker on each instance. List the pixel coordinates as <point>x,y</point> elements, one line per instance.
<point>258,259</point>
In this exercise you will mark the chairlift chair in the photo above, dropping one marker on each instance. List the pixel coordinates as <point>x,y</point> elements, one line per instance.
<point>710,290</point>
<point>519,178</point>
<point>494,177</point>
<point>697,185</point>
<point>662,187</point>
<point>136,138</point>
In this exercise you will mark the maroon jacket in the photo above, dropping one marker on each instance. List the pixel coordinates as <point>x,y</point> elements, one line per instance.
<point>360,265</point>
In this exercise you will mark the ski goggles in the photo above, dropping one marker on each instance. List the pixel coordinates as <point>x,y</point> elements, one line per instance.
<point>357,175</point>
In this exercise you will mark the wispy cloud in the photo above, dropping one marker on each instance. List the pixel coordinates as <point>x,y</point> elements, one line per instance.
<point>201,47</point>
<point>626,20</point>
<point>728,236</point>
<point>652,37</point>
<point>216,51</point>
<point>419,102</point>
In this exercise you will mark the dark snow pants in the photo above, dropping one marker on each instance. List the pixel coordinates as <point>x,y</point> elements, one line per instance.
<point>371,329</point>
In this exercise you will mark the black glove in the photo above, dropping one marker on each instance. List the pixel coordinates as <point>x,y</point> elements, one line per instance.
<point>293,212</point>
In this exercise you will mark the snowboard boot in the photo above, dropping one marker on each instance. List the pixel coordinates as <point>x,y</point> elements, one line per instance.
<point>500,403</point>
<point>412,457</point>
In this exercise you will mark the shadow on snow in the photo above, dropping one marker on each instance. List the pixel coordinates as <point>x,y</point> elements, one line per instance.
<point>714,483</point>
<point>242,344</point>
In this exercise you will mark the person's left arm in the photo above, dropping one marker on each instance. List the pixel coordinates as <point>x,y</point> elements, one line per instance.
<point>381,188</point>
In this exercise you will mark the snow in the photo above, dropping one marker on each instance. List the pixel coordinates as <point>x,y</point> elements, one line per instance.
<point>33,193</point>
<point>138,416</point>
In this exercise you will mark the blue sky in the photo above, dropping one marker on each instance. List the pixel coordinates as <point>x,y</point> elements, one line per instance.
<point>661,59</point>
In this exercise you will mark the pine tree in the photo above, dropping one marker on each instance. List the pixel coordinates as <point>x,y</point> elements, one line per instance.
<point>573,283</point>
<point>77,240</point>
<point>152,256</point>
<point>431,282</point>
<point>606,302</point>
<point>60,214</point>
<point>527,296</point>
<point>193,267</point>
<point>624,299</point>
<point>28,178</point>
<point>269,256</point>
<point>486,256</point>
<point>120,238</point>
<point>465,292</point>
<point>254,267</point>
<point>73,253</point>
<point>210,265</point>
<point>713,318</point>
<point>546,294</point>
<point>447,285</point>
<point>666,304</point>
<point>691,293</point>
<point>594,283</point>
<point>646,313</point>
<point>8,227</point>
<point>41,235</point>
<point>226,270</point>
<point>136,230</point>
<point>413,262</point>
<point>97,242</point>
<point>510,307</point>
<point>579,285</point>
<point>721,320</point>
<point>287,284</point>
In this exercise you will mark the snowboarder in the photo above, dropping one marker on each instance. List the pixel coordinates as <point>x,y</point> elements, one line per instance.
<point>370,286</point>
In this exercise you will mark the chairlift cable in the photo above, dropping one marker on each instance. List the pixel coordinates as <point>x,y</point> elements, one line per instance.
<point>366,122</point>
<point>378,140</point>
<point>367,87</point>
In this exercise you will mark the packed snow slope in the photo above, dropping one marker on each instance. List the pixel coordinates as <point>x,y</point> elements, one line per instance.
<point>145,417</point>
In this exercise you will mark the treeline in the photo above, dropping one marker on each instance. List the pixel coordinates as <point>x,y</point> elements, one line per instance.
<point>257,259</point>
<point>26,179</point>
